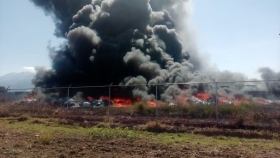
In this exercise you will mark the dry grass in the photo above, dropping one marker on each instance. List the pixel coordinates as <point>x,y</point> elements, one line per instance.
<point>4,112</point>
<point>38,121</point>
<point>154,126</point>
<point>44,138</point>
<point>23,117</point>
<point>62,121</point>
<point>251,114</point>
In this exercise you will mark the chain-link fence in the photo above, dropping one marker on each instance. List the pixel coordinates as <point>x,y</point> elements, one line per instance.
<point>241,102</point>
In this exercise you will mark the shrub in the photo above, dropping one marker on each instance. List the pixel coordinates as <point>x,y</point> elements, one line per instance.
<point>143,108</point>
<point>166,108</point>
<point>154,126</point>
<point>103,125</point>
<point>109,119</point>
<point>63,121</point>
<point>23,118</point>
<point>45,138</point>
<point>239,122</point>
<point>201,110</point>
<point>38,122</point>
<point>4,112</point>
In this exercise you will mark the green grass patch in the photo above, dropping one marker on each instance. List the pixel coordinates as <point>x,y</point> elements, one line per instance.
<point>48,132</point>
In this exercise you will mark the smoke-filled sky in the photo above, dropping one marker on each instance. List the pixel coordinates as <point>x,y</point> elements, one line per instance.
<point>239,36</point>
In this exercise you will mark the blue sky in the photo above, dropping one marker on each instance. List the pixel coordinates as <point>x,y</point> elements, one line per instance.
<point>238,35</point>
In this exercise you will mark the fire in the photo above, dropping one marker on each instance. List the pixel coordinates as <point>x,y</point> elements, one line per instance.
<point>152,103</point>
<point>203,96</point>
<point>222,98</point>
<point>119,102</point>
<point>90,98</point>
<point>182,100</point>
<point>31,96</point>
<point>239,99</point>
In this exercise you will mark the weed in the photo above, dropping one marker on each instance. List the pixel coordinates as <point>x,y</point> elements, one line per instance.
<point>45,138</point>
<point>109,119</point>
<point>239,122</point>
<point>143,108</point>
<point>4,112</point>
<point>201,111</point>
<point>63,121</point>
<point>103,125</point>
<point>113,133</point>
<point>37,121</point>
<point>154,126</point>
<point>23,118</point>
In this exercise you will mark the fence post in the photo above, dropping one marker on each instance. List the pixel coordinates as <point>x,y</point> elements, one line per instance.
<point>156,105</point>
<point>108,108</point>
<point>7,92</point>
<point>110,94</point>
<point>216,100</point>
<point>68,96</point>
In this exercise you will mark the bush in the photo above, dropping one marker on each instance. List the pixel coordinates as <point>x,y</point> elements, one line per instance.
<point>239,122</point>
<point>63,121</point>
<point>4,112</point>
<point>38,122</point>
<point>103,125</point>
<point>143,108</point>
<point>45,138</point>
<point>201,110</point>
<point>109,119</point>
<point>154,126</point>
<point>165,108</point>
<point>23,118</point>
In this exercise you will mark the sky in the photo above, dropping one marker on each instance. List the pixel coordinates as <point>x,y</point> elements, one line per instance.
<point>236,35</point>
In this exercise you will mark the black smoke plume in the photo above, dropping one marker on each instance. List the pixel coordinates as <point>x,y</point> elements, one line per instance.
<point>126,42</point>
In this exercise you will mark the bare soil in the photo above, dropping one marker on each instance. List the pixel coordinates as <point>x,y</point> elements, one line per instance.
<point>24,144</point>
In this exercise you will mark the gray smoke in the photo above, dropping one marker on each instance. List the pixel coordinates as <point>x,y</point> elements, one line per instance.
<point>269,74</point>
<point>127,42</point>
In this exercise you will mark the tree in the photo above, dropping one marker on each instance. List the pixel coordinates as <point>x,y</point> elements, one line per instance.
<point>2,90</point>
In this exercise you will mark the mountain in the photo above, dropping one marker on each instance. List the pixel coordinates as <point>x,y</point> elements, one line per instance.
<point>17,80</point>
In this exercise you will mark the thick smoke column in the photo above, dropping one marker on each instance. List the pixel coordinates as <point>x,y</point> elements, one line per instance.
<point>126,42</point>
<point>269,74</point>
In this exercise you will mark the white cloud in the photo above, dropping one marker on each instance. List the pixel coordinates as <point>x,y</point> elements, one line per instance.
<point>29,69</point>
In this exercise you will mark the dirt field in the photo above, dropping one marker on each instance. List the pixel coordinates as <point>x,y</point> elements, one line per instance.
<point>23,138</point>
<point>47,131</point>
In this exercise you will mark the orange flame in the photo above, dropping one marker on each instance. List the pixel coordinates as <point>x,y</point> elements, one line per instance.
<point>32,95</point>
<point>152,103</point>
<point>182,100</point>
<point>119,102</point>
<point>90,98</point>
<point>240,99</point>
<point>203,96</point>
